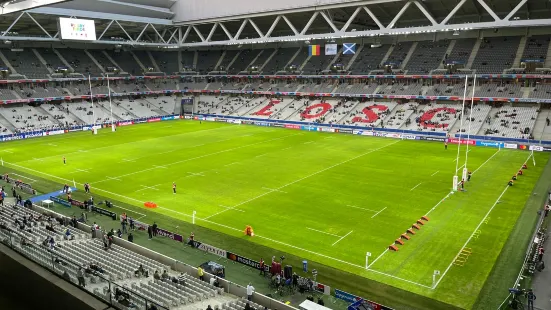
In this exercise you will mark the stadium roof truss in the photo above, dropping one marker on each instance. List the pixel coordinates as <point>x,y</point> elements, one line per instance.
<point>368,18</point>
<point>149,22</point>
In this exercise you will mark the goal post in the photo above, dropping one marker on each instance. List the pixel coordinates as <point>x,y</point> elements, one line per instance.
<point>455,182</point>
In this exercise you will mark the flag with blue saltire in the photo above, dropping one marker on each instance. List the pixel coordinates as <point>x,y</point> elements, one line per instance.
<point>349,48</point>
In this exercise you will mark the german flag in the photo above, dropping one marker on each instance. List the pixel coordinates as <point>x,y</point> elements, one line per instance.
<point>314,50</point>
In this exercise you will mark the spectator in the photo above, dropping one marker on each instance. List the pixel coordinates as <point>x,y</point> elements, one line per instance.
<point>248,306</point>
<point>212,280</point>
<point>150,232</point>
<point>320,302</point>
<point>123,226</point>
<point>209,307</point>
<point>68,235</point>
<point>154,227</point>
<point>140,271</point>
<point>530,297</point>
<point>200,273</point>
<point>80,277</point>
<point>156,275</point>
<point>165,275</point>
<point>262,268</point>
<point>131,222</point>
<point>119,233</point>
<point>250,291</point>
<point>130,237</point>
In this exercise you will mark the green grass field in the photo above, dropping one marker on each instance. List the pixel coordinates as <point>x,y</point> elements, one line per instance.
<point>322,197</point>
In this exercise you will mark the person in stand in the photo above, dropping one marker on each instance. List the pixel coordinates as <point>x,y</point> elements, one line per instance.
<point>547,121</point>
<point>247,306</point>
<point>200,273</point>
<point>250,292</point>
<point>546,210</point>
<point>150,232</point>
<point>191,238</point>
<point>530,296</point>
<point>209,307</point>
<point>320,302</point>
<point>130,237</point>
<point>262,268</point>
<point>80,277</point>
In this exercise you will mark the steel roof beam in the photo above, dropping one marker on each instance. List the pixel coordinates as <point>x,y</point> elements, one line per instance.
<point>425,12</point>
<point>489,10</point>
<point>397,17</point>
<point>515,10</point>
<point>453,12</point>
<point>351,18</point>
<point>375,19</point>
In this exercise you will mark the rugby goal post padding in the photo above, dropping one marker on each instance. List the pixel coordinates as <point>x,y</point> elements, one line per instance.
<point>465,172</point>
<point>392,247</point>
<point>455,182</point>
<point>399,241</point>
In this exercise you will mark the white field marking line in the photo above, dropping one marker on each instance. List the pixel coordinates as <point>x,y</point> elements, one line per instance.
<point>260,155</point>
<point>323,232</point>
<point>232,228</point>
<point>24,177</point>
<point>351,206</point>
<point>308,176</point>
<point>487,160</point>
<point>434,173</point>
<point>317,172</point>
<point>82,151</point>
<point>374,215</point>
<point>230,164</point>
<point>476,229</point>
<point>111,178</point>
<point>148,187</point>
<point>449,194</point>
<point>287,148</point>
<point>83,170</point>
<point>199,157</point>
<point>7,151</point>
<point>128,160</point>
<point>109,146</point>
<point>342,238</point>
<point>200,174</point>
<point>39,159</point>
<point>415,186</point>
<point>308,142</point>
<point>51,144</point>
<point>275,190</point>
<point>162,167</point>
<point>232,208</point>
<point>376,259</point>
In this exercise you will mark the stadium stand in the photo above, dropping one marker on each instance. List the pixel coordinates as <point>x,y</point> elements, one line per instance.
<point>242,61</point>
<point>125,61</point>
<point>512,121</point>
<point>427,56</point>
<point>496,54</point>
<point>369,59</point>
<point>536,48</point>
<point>25,62</point>
<point>207,60</point>
<point>278,62</point>
<point>168,61</point>
<point>80,61</point>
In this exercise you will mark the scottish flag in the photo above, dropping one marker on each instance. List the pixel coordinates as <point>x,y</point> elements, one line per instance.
<point>349,48</point>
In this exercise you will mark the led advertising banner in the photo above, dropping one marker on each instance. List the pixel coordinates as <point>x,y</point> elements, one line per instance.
<point>77,29</point>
